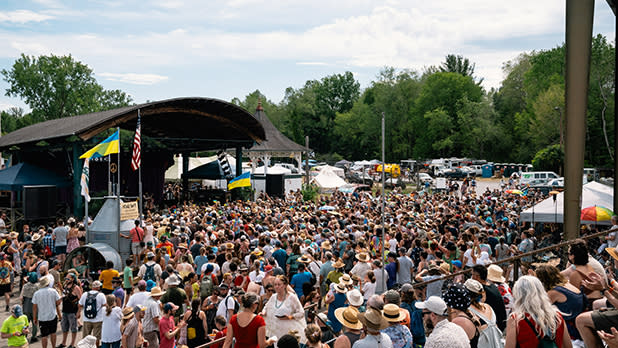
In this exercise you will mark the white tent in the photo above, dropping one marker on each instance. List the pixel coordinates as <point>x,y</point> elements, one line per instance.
<point>593,193</point>
<point>276,169</point>
<point>339,171</point>
<point>328,180</point>
<point>175,171</point>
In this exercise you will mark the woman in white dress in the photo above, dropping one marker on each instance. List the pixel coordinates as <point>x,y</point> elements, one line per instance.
<point>283,312</point>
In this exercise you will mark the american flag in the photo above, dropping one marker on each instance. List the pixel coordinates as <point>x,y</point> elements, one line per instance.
<point>136,160</point>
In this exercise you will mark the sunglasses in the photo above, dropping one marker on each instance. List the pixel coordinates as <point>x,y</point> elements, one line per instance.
<point>425,313</point>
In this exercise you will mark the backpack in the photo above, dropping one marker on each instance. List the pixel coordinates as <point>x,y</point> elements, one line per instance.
<point>236,305</point>
<point>545,341</point>
<point>206,286</point>
<point>90,308</point>
<point>150,273</point>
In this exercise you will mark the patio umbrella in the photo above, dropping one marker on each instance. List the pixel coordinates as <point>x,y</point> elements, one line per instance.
<point>596,213</point>
<point>515,192</point>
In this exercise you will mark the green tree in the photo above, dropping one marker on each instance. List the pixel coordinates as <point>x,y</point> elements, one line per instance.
<point>550,158</point>
<point>58,86</point>
<point>480,136</point>
<point>459,65</point>
<point>547,126</point>
<point>274,113</point>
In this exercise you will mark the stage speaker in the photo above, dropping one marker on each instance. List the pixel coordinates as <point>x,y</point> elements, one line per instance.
<point>275,185</point>
<point>39,202</point>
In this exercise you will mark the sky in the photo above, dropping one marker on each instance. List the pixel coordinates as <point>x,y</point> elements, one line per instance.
<point>161,49</point>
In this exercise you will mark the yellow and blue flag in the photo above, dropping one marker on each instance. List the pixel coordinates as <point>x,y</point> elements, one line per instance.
<point>104,148</point>
<point>240,181</point>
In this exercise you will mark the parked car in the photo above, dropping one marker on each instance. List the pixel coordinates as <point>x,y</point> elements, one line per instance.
<point>455,173</point>
<point>357,178</point>
<point>424,177</point>
<point>392,183</point>
<point>351,188</point>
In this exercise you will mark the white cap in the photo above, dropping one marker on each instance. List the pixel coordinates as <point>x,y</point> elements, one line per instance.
<point>433,304</point>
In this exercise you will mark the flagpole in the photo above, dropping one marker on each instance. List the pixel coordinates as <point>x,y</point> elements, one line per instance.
<point>109,175</point>
<point>141,198</point>
<point>118,188</point>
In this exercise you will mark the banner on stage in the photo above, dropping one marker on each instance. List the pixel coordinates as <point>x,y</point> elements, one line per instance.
<point>129,211</point>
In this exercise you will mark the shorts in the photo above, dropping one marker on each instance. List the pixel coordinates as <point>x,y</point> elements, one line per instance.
<point>128,291</point>
<point>68,322</point>
<point>93,329</point>
<point>61,249</point>
<point>136,249</point>
<point>5,289</point>
<point>605,319</point>
<point>48,327</point>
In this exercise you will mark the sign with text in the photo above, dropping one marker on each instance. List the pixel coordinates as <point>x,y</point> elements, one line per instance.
<point>129,211</point>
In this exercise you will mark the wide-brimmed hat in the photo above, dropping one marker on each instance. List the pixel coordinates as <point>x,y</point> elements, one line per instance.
<point>44,282</point>
<point>96,284</point>
<point>373,319</point>
<point>348,317</point>
<point>494,274</point>
<point>355,298</point>
<point>345,279</point>
<point>341,288</point>
<point>338,264</point>
<point>13,235</point>
<point>392,313</point>
<point>36,237</point>
<point>183,246</point>
<point>304,259</point>
<point>612,252</point>
<point>229,245</point>
<point>127,313</point>
<point>363,257</point>
<point>172,280</point>
<point>326,245</point>
<point>156,291</point>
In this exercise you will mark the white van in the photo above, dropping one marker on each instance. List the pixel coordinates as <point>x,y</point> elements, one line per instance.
<point>536,177</point>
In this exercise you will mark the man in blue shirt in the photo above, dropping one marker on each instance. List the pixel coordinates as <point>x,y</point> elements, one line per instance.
<point>300,278</point>
<point>280,255</point>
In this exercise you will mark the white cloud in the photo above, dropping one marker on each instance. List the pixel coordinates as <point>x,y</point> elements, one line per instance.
<point>135,79</point>
<point>23,16</point>
<point>312,63</point>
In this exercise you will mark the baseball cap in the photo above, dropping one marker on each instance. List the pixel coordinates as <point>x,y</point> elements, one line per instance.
<point>406,287</point>
<point>433,304</point>
<point>96,284</point>
<point>169,307</point>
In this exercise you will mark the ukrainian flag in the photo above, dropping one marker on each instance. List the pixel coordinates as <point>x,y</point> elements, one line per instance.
<point>240,181</point>
<point>104,148</point>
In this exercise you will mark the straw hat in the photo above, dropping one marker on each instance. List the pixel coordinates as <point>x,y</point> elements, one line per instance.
<point>363,257</point>
<point>156,291</point>
<point>183,246</point>
<point>229,245</point>
<point>43,283</point>
<point>304,259</point>
<point>348,317</point>
<point>127,313</point>
<point>373,319</point>
<point>494,273</point>
<point>13,235</point>
<point>392,313</point>
<point>326,245</point>
<point>345,279</point>
<point>445,267</point>
<point>36,237</point>
<point>338,264</point>
<point>612,252</point>
<point>341,288</point>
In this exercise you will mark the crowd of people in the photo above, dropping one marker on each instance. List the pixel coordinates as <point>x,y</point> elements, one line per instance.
<point>291,273</point>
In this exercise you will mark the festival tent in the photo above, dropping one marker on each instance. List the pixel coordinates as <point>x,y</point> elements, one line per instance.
<point>328,180</point>
<point>14,178</point>
<point>276,169</point>
<point>339,171</point>
<point>548,211</point>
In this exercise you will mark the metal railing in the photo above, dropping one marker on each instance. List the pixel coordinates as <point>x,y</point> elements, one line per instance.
<point>515,261</point>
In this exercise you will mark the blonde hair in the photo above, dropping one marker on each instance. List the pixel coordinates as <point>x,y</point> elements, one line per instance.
<point>313,333</point>
<point>531,298</point>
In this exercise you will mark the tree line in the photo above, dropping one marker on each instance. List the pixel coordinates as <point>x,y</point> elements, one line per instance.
<point>441,111</point>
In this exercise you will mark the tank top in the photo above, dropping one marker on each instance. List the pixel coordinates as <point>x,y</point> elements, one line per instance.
<point>574,305</point>
<point>69,301</point>
<point>353,337</point>
<point>195,330</point>
<point>474,341</point>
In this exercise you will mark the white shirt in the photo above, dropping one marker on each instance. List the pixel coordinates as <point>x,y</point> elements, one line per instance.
<point>45,300</point>
<point>369,289</point>
<point>222,309</point>
<point>110,329</point>
<point>100,306</point>
<point>447,335</point>
<point>372,341</point>
<point>215,268</point>
<point>138,298</point>
<point>152,311</point>
<point>157,269</point>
